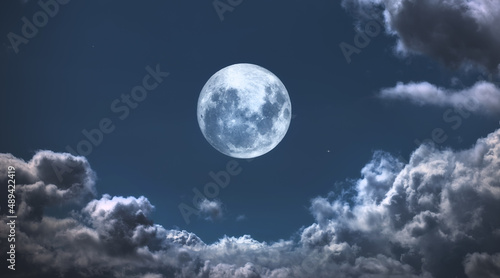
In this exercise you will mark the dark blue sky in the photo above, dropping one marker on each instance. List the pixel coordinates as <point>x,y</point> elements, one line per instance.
<point>67,76</point>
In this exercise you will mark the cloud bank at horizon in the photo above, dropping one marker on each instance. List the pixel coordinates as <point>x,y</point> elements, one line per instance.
<point>436,216</point>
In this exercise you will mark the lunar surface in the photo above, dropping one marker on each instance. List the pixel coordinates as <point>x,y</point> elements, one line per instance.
<point>244,111</point>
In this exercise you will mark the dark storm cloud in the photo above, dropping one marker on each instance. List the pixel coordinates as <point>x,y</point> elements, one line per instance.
<point>483,97</point>
<point>42,185</point>
<point>436,216</point>
<point>456,32</point>
<point>482,265</point>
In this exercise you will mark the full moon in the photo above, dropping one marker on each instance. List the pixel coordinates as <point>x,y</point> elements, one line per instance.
<point>244,111</point>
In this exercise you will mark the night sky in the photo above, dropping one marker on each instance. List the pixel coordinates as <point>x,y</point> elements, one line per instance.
<point>390,166</point>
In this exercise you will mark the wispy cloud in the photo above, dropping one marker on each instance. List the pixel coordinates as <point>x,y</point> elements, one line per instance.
<point>241,217</point>
<point>483,97</point>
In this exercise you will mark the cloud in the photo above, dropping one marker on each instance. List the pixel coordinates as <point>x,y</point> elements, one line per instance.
<point>483,97</point>
<point>482,265</point>
<point>211,210</point>
<point>241,217</point>
<point>121,223</point>
<point>456,32</point>
<point>152,275</point>
<point>436,216</point>
<point>439,208</point>
<point>50,179</point>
